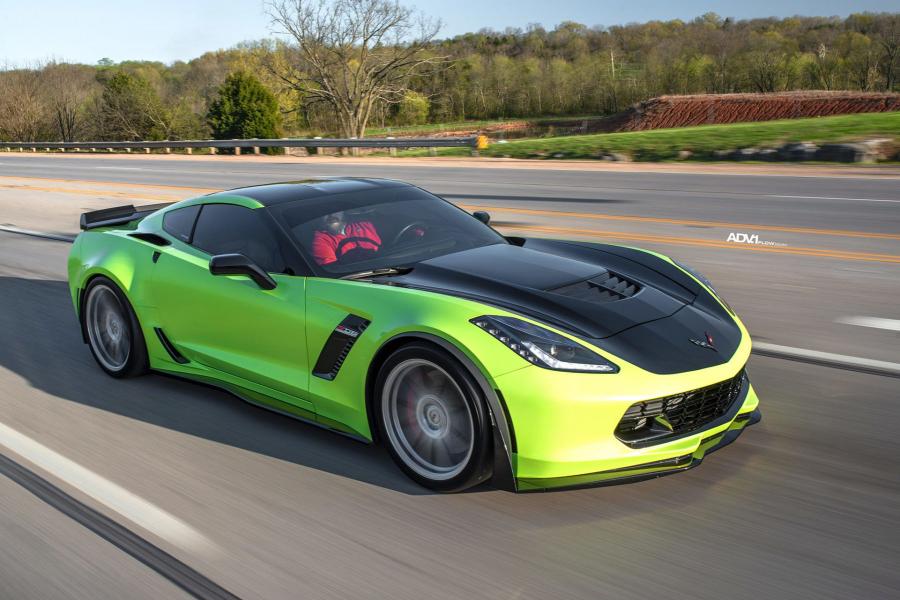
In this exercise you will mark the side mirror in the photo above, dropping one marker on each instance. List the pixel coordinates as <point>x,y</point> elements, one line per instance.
<point>238,264</point>
<point>482,216</point>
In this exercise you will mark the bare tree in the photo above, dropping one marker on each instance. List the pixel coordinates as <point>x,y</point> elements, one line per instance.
<point>23,109</point>
<point>888,37</point>
<point>351,54</point>
<point>68,89</point>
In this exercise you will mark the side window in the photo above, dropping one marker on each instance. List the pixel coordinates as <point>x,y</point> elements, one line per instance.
<point>180,222</point>
<point>227,228</point>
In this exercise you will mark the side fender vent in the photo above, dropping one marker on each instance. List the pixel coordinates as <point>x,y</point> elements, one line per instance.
<point>170,348</point>
<point>338,346</point>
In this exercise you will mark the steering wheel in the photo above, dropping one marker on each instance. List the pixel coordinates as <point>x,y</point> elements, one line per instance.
<point>339,251</point>
<point>407,229</point>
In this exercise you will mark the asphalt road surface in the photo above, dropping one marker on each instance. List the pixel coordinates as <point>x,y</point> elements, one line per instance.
<point>803,505</point>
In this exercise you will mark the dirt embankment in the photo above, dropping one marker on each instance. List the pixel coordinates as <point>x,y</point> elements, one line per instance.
<point>701,109</point>
<point>714,109</point>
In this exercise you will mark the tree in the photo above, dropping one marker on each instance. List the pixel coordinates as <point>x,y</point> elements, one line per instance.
<point>69,89</point>
<point>889,39</point>
<point>413,109</point>
<point>131,109</point>
<point>23,108</point>
<point>243,109</point>
<point>352,54</point>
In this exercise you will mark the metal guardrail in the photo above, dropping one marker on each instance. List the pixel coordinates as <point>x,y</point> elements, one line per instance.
<point>255,144</point>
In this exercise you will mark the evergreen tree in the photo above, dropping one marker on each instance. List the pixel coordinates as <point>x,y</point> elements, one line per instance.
<point>243,109</point>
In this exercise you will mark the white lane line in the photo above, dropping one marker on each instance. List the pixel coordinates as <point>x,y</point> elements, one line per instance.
<point>118,499</point>
<point>828,357</point>
<point>40,234</point>
<point>120,168</point>
<point>873,322</point>
<point>835,198</point>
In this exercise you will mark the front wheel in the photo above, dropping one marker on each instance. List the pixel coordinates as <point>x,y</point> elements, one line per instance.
<point>433,419</point>
<point>113,332</point>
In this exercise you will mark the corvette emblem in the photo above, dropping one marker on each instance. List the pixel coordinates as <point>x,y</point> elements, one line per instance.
<point>707,343</point>
<point>346,331</point>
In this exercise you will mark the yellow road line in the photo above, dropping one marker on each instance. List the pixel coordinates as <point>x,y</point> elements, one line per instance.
<point>723,225</point>
<point>683,241</point>
<point>116,183</point>
<point>87,192</point>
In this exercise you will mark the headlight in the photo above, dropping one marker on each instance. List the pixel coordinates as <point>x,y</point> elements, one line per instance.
<point>542,347</point>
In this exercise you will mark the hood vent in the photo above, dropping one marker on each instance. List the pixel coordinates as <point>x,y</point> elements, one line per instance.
<point>606,287</point>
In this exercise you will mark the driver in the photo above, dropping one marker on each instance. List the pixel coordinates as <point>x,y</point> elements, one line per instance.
<point>335,229</point>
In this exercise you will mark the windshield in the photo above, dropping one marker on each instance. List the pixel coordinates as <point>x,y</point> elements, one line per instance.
<point>340,234</point>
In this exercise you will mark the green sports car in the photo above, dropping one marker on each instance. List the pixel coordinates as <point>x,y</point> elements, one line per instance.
<point>376,309</point>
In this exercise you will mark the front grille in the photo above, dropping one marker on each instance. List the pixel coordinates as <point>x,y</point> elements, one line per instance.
<point>605,287</point>
<point>657,420</point>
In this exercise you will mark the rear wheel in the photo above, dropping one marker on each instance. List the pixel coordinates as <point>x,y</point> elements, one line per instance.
<point>112,329</point>
<point>433,419</point>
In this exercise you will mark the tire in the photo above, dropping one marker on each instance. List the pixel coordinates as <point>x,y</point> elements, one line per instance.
<point>432,418</point>
<point>112,330</point>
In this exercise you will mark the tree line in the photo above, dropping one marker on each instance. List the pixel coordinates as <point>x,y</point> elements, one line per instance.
<point>342,67</point>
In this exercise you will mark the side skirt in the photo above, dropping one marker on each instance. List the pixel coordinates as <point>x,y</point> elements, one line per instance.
<point>264,402</point>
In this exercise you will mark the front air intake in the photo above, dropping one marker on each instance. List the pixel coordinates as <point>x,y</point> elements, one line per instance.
<point>663,419</point>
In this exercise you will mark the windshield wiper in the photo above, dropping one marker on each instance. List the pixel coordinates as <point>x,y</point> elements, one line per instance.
<point>378,272</point>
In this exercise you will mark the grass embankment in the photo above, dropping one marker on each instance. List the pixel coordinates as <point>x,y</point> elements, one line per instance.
<point>702,141</point>
<point>471,126</point>
<point>432,128</point>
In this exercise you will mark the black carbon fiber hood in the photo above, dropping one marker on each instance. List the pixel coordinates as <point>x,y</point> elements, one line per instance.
<point>635,305</point>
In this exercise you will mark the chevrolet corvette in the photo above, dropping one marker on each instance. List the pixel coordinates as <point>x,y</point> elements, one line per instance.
<point>376,309</point>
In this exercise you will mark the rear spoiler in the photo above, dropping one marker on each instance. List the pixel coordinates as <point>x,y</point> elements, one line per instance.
<point>119,215</point>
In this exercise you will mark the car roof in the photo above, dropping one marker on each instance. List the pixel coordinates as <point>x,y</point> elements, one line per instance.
<point>276,193</point>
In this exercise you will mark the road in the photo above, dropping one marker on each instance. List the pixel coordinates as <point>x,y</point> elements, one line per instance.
<point>803,505</point>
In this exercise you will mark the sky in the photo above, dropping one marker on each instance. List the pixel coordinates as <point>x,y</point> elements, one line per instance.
<point>168,30</point>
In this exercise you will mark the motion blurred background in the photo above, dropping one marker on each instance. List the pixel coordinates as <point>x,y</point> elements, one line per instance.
<point>756,142</point>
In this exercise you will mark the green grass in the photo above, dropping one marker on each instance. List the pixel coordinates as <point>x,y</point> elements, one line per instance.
<point>703,141</point>
<point>432,128</point>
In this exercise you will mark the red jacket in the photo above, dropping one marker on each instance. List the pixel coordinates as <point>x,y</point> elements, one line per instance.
<point>325,244</point>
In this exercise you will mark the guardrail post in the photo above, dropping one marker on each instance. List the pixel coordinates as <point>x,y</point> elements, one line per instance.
<point>189,150</point>
<point>212,150</point>
<point>168,150</point>
<point>256,150</point>
<point>146,150</point>
<point>237,150</point>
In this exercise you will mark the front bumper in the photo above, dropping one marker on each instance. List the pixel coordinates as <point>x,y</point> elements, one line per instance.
<point>652,470</point>
<point>563,425</point>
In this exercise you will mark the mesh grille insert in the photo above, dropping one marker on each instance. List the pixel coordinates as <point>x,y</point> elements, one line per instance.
<point>682,413</point>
